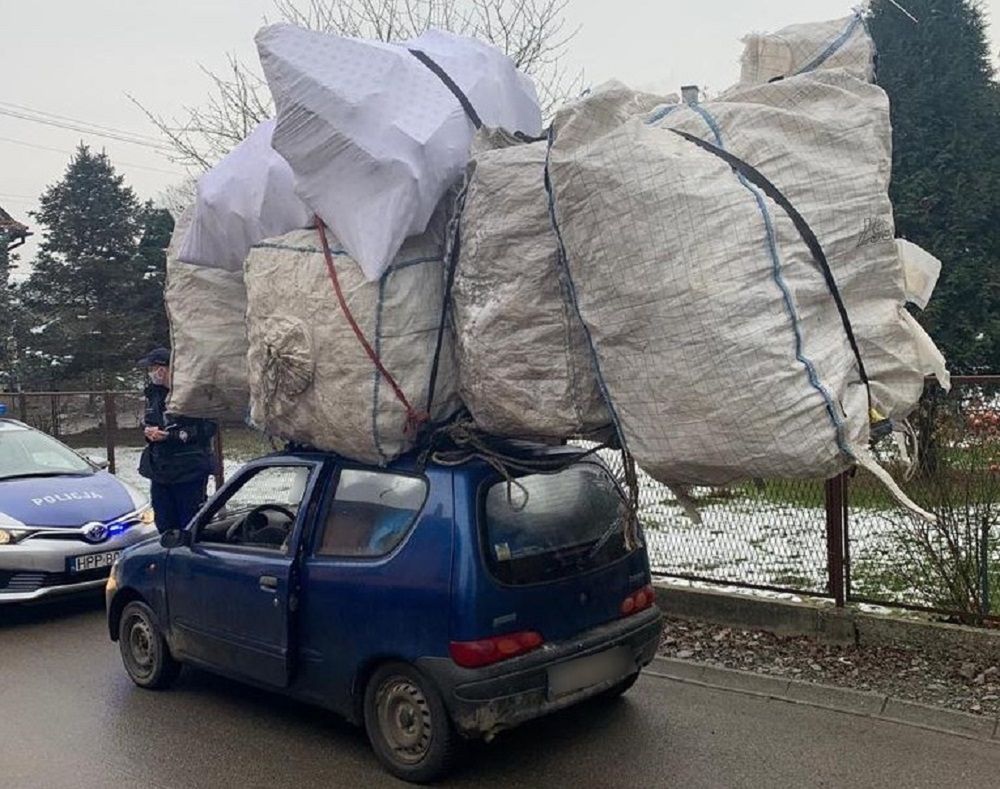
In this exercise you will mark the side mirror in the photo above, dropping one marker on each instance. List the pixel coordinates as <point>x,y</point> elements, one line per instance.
<point>101,463</point>
<point>175,538</point>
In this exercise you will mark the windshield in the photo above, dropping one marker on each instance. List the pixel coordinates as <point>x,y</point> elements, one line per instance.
<point>30,453</point>
<point>550,526</point>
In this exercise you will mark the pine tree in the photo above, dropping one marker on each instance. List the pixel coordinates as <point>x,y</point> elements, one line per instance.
<point>945,106</point>
<point>94,297</point>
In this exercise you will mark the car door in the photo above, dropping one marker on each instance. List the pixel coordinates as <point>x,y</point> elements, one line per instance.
<point>229,588</point>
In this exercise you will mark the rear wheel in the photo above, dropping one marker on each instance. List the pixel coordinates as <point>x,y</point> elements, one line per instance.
<point>145,654</point>
<point>408,725</point>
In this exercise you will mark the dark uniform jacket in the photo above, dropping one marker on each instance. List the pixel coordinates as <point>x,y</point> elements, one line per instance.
<point>186,454</point>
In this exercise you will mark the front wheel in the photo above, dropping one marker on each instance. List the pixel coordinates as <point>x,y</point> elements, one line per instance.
<point>145,654</point>
<point>408,725</point>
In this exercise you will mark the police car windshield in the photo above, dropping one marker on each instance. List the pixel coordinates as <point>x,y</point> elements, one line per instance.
<point>29,453</point>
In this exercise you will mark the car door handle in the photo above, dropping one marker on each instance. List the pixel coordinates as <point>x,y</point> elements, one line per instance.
<point>269,583</point>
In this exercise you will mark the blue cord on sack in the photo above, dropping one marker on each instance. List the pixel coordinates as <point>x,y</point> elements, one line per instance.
<point>772,247</point>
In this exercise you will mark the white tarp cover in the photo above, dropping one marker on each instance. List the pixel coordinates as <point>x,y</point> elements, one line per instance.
<point>798,49</point>
<point>373,136</point>
<point>310,379</point>
<point>248,196</point>
<point>206,308</point>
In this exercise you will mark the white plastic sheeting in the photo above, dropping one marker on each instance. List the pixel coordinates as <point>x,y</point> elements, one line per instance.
<point>373,136</point>
<point>248,196</point>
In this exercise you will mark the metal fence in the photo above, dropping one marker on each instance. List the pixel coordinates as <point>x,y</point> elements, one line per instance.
<point>845,538</point>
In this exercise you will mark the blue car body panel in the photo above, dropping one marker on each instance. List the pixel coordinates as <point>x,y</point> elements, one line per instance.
<point>341,617</point>
<point>65,501</point>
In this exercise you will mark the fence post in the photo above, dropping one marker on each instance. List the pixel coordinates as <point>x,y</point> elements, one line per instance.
<point>845,509</point>
<point>835,538</point>
<point>22,402</point>
<point>110,428</point>
<point>54,409</point>
<point>217,446</point>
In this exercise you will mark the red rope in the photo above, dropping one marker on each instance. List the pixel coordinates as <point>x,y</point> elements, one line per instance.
<point>414,418</point>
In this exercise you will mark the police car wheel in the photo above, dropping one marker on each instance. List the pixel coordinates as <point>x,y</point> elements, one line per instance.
<point>408,725</point>
<point>145,654</point>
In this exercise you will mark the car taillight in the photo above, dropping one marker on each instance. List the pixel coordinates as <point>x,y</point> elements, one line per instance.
<point>639,600</point>
<point>473,654</point>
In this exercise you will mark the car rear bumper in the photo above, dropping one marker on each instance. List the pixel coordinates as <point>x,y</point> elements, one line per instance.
<point>487,700</point>
<point>37,569</point>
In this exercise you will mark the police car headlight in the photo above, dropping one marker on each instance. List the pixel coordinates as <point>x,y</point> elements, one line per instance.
<point>147,516</point>
<point>11,536</point>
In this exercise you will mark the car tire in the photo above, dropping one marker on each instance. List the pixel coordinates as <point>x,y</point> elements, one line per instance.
<point>619,689</point>
<point>407,724</point>
<point>144,650</point>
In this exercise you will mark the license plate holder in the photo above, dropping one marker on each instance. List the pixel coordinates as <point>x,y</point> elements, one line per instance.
<point>91,561</point>
<point>580,673</point>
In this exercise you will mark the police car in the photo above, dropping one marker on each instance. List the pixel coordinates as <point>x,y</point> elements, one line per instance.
<point>63,518</point>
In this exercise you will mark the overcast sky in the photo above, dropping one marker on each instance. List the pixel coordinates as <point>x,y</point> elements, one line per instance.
<point>80,59</point>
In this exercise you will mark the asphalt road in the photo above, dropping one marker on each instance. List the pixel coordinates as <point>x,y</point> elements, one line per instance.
<point>69,717</point>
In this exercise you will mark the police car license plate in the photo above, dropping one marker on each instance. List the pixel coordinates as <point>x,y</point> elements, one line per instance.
<point>92,561</point>
<point>592,670</point>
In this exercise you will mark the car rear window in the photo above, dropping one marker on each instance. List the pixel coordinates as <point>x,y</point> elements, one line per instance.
<point>544,527</point>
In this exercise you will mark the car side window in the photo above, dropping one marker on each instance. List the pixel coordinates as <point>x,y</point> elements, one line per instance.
<point>371,512</point>
<point>260,511</point>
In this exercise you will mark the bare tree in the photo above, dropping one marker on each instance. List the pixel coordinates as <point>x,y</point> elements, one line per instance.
<point>533,33</point>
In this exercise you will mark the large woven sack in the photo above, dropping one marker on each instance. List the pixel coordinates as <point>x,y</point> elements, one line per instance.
<point>717,365</point>
<point>311,380</point>
<point>524,367</point>
<point>524,364</point>
<point>799,49</point>
<point>824,139</point>
<point>206,309</point>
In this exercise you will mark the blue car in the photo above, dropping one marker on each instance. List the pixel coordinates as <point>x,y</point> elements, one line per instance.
<point>431,602</point>
<point>63,518</point>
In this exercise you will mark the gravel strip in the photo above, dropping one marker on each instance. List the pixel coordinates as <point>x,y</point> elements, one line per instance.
<point>954,679</point>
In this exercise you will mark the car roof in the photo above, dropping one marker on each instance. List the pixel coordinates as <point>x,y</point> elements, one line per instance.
<point>517,450</point>
<point>9,425</point>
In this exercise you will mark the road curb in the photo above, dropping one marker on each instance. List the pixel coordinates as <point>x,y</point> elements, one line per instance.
<point>824,622</point>
<point>830,697</point>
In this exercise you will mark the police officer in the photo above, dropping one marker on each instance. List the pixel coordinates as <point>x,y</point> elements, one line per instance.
<point>177,459</point>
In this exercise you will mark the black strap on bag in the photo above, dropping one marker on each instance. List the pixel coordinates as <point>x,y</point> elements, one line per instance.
<point>758,179</point>
<point>473,116</point>
<point>452,260</point>
<point>449,83</point>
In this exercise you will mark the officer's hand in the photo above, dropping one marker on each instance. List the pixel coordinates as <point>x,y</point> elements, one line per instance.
<point>155,434</point>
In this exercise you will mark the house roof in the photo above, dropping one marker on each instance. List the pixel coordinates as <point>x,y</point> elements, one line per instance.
<point>8,223</point>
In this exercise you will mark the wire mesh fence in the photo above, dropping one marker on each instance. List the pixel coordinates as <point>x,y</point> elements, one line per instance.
<point>768,534</point>
<point>785,535</point>
<point>951,467</point>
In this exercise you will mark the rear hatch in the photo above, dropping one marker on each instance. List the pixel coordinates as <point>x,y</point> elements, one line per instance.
<point>553,553</point>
